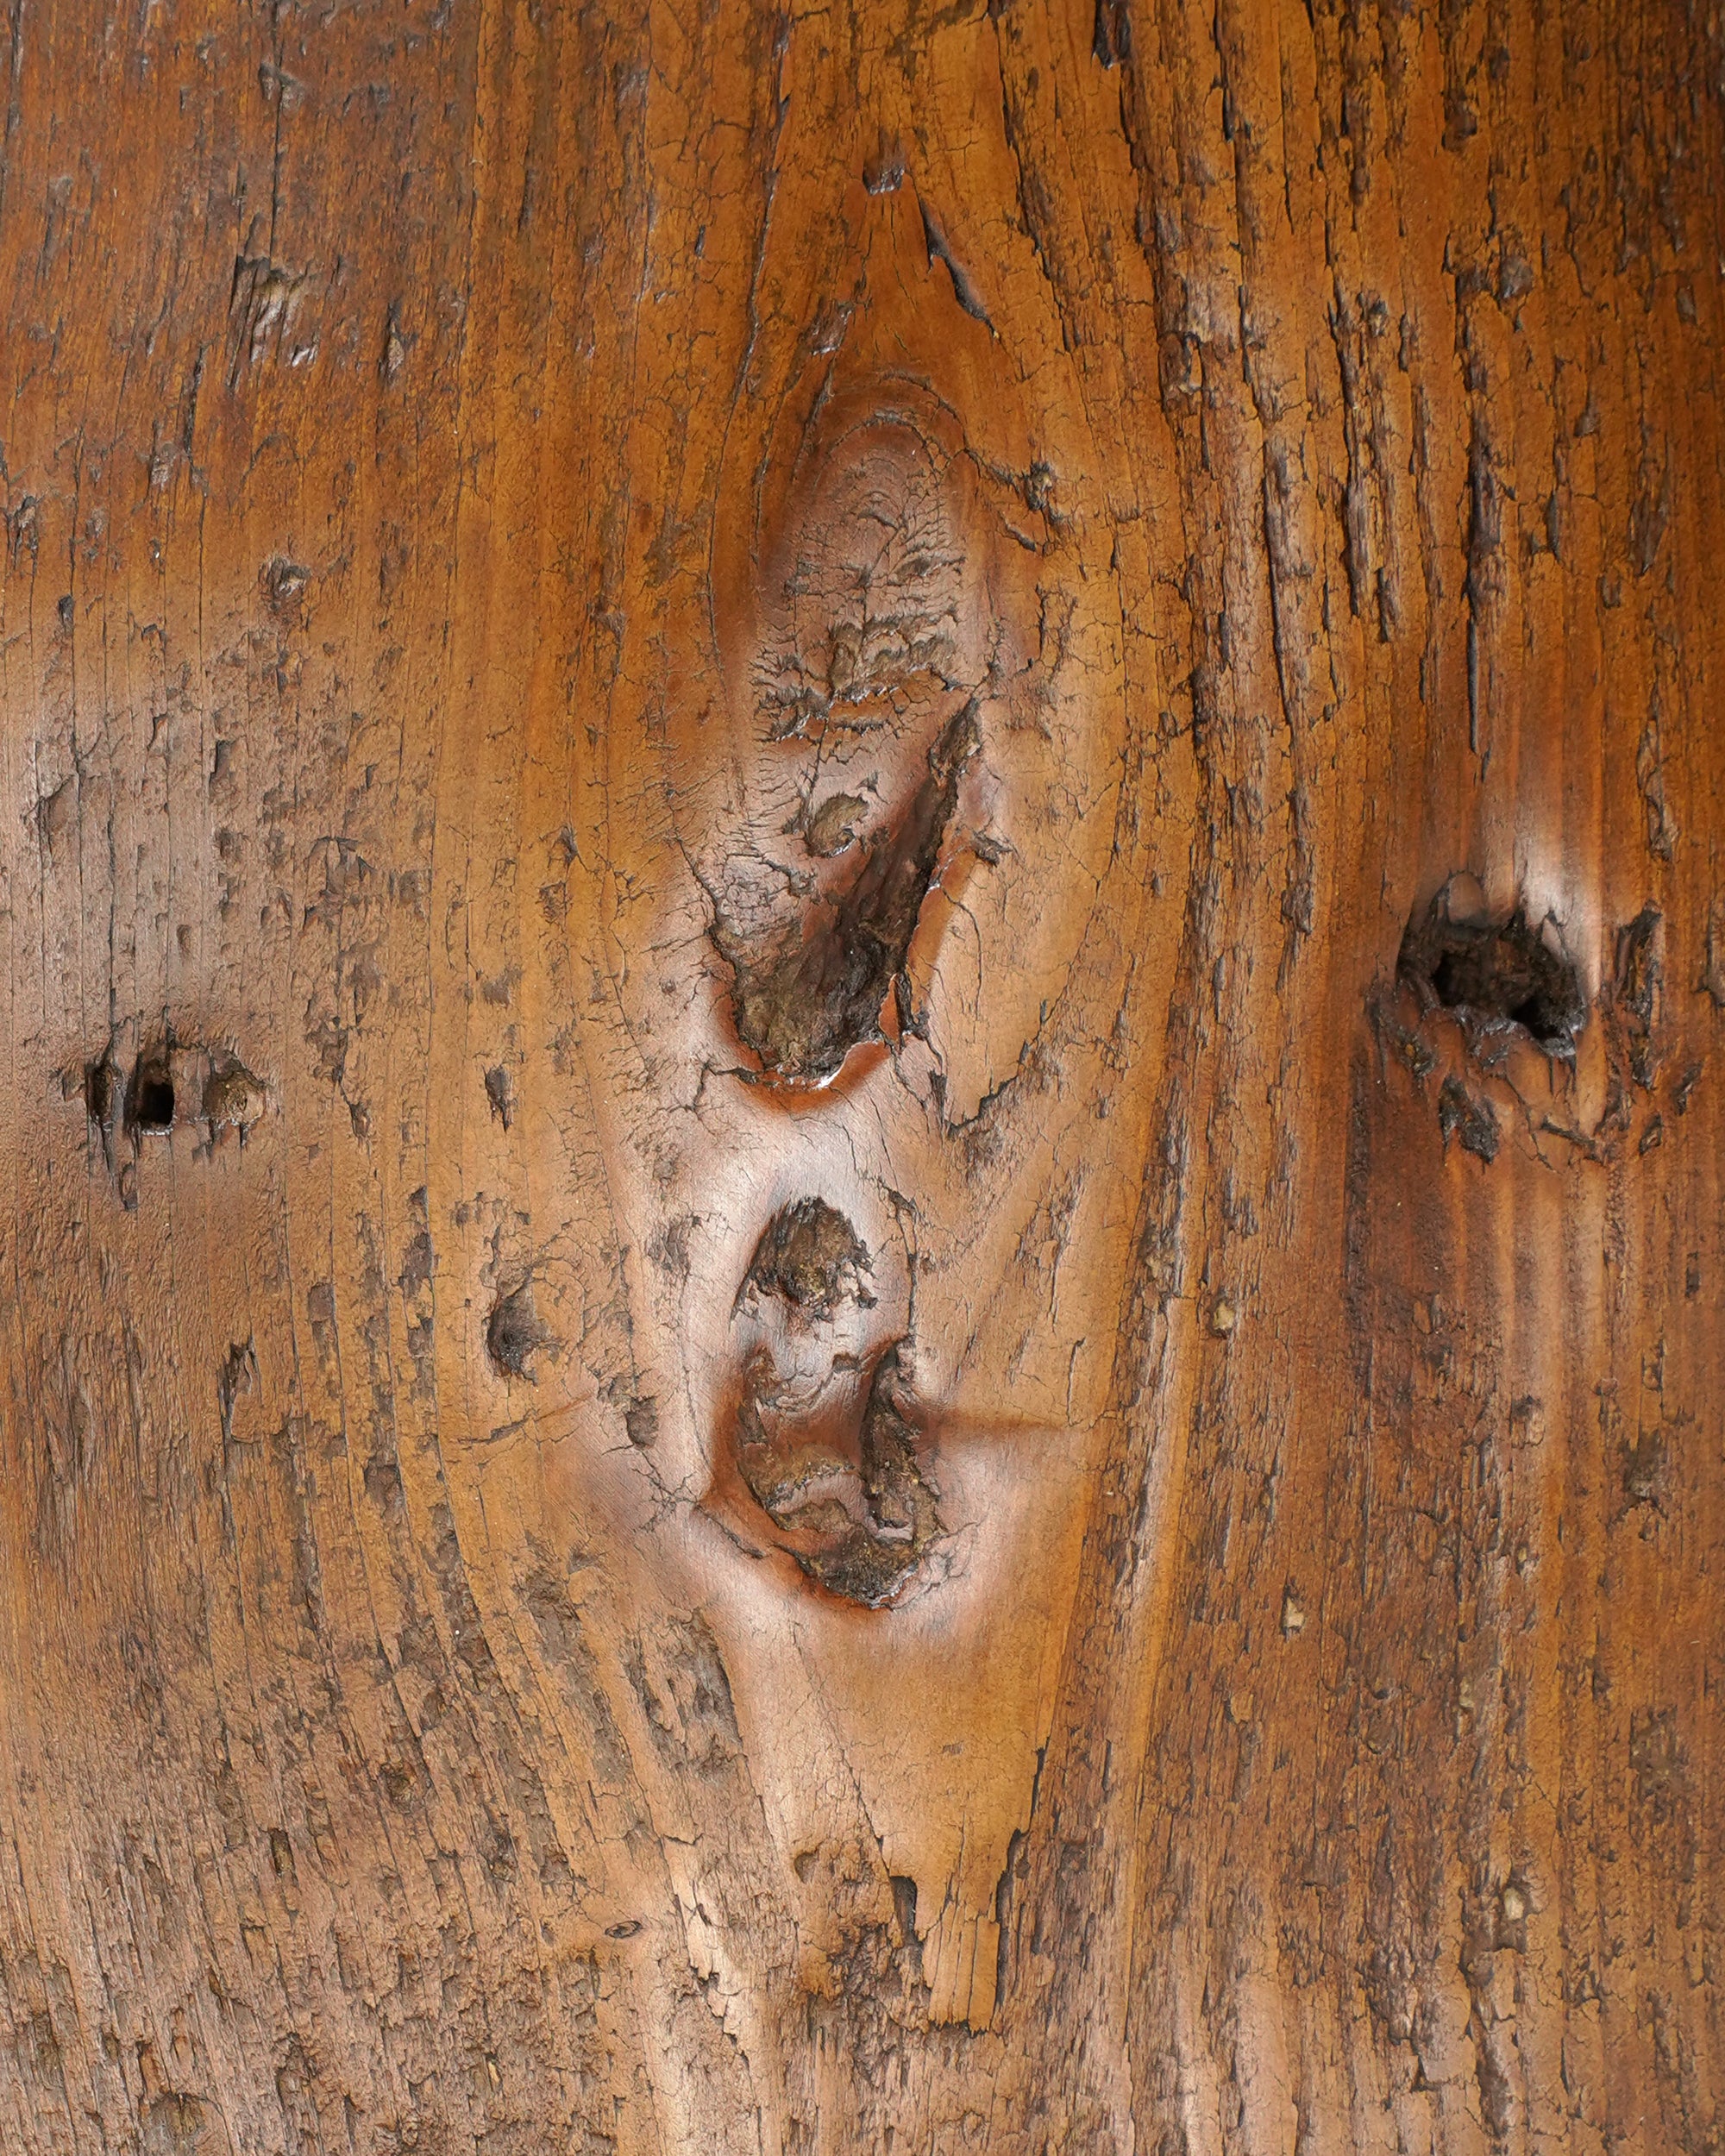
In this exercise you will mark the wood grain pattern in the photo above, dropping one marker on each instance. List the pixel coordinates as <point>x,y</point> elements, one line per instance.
<point>864,899</point>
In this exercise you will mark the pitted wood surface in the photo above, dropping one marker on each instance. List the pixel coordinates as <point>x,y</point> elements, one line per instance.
<point>864,897</point>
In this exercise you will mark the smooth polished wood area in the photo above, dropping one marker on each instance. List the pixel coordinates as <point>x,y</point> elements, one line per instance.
<point>863,881</point>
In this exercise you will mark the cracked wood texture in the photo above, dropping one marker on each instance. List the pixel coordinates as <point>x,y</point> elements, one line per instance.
<point>863,874</point>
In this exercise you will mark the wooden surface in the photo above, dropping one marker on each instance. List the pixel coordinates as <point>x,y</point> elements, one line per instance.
<point>864,893</point>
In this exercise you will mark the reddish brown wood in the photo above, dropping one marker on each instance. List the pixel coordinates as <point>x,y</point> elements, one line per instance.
<point>864,883</point>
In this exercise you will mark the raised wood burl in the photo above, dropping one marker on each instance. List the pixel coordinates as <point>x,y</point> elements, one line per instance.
<point>863,892</point>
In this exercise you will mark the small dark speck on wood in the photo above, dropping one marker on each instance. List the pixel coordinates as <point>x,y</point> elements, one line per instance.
<point>238,1374</point>
<point>500,1094</point>
<point>884,173</point>
<point>1474,1122</point>
<point>284,584</point>
<point>55,812</point>
<point>285,91</point>
<point>233,1098</point>
<point>104,1092</point>
<point>1638,982</point>
<point>394,354</point>
<point>513,1332</point>
<point>1112,41</point>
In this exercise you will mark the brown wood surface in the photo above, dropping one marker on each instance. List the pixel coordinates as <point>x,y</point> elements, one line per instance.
<point>863,874</point>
